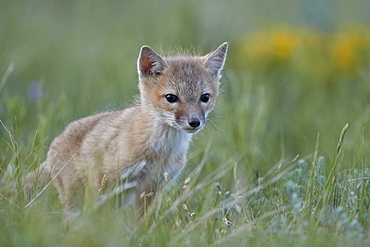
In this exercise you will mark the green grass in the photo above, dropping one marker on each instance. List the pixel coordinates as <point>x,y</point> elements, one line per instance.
<point>283,160</point>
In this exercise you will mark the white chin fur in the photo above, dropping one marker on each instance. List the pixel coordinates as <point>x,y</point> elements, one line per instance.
<point>191,131</point>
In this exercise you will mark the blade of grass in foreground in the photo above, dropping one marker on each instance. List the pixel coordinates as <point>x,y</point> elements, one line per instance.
<point>8,71</point>
<point>327,194</point>
<point>309,198</point>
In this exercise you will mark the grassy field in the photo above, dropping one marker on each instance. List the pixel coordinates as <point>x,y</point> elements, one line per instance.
<point>283,161</point>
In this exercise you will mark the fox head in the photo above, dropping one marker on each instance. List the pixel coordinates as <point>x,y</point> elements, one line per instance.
<point>180,90</point>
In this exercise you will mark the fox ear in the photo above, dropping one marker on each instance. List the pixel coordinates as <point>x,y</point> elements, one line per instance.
<point>150,62</point>
<point>214,61</point>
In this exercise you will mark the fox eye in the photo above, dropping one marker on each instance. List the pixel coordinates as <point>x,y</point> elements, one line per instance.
<point>171,98</point>
<point>204,98</point>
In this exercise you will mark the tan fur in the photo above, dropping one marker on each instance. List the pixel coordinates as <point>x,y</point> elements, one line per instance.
<point>138,145</point>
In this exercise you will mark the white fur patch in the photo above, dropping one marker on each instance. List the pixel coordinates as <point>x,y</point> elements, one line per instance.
<point>133,171</point>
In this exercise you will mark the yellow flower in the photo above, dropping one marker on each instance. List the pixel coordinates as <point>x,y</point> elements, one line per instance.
<point>344,52</point>
<point>284,43</point>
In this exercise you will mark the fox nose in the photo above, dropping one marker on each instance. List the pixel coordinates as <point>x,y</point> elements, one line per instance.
<point>194,122</point>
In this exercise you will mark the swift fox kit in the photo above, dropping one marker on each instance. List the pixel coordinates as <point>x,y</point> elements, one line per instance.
<point>141,146</point>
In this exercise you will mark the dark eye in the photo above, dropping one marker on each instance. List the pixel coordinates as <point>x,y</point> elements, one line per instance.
<point>171,98</point>
<point>204,98</point>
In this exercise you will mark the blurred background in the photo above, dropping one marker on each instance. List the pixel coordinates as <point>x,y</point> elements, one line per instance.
<point>295,69</point>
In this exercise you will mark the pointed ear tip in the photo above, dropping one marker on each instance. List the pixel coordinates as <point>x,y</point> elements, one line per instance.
<point>145,49</point>
<point>225,44</point>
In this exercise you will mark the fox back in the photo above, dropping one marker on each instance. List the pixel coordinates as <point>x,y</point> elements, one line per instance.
<point>139,147</point>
